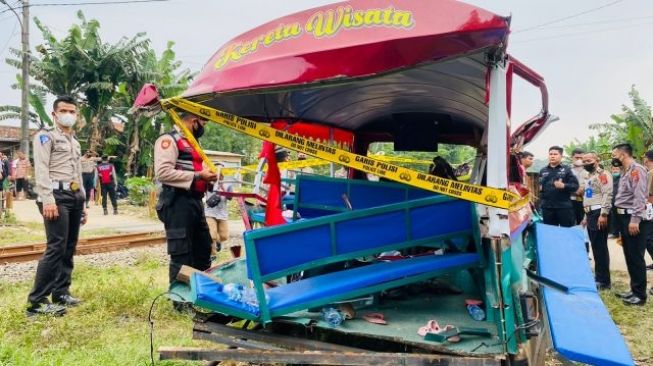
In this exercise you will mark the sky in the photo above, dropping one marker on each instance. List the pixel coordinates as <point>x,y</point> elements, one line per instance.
<point>588,57</point>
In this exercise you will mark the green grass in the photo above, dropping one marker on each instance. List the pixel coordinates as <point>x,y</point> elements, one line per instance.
<point>635,322</point>
<point>34,232</point>
<point>109,328</point>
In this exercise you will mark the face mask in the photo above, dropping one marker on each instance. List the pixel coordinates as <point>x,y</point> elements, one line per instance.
<point>198,131</point>
<point>66,119</point>
<point>578,162</point>
<point>616,175</point>
<point>589,167</point>
<point>616,162</point>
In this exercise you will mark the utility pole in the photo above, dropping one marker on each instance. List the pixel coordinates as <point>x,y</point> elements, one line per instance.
<point>24,100</point>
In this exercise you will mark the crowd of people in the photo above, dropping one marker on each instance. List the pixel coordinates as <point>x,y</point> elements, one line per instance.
<point>15,174</point>
<point>606,202</point>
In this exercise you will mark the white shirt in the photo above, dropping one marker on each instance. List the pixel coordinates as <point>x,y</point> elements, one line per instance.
<point>220,211</point>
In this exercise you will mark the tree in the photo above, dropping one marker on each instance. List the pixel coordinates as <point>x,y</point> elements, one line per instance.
<point>225,139</point>
<point>633,125</point>
<point>141,131</point>
<point>83,66</point>
<point>600,144</point>
<point>37,100</point>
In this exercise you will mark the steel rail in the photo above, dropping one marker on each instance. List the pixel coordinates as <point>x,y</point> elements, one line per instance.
<point>28,252</point>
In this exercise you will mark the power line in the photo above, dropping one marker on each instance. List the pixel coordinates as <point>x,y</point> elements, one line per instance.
<point>92,3</point>
<point>606,21</point>
<point>572,34</point>
<point>11,36</point>
<point>567,17</point>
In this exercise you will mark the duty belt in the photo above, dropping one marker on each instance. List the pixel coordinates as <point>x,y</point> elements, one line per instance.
<point>591,208</point>
<point>185,192</point>
<point>625,211</point>
<point>576,198</point>
<point>65,186</point>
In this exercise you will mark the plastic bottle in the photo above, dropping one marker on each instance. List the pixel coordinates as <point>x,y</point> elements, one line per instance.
<point>249,297</point>
<point>476,312</point>
<point>234,291</point>
<point>332,316</point>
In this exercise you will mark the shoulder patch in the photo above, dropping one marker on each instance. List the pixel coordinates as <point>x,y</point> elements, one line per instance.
<point>634,174</point>
<point>165,144</point>
<point>603,178</point>
<point>44,138</point>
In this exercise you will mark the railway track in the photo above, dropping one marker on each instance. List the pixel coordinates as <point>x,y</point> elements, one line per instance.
<point>28,252</point>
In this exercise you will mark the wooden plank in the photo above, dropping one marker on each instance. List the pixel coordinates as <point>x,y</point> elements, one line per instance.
<point>320,358</point>
<point>234,342</point>
<point>286,342</point>
<point>186,271</point>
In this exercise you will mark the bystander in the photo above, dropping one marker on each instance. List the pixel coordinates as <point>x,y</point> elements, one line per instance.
<point>22,175</point>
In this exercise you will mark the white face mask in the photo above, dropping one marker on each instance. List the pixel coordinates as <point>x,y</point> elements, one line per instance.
<point>578,162</point>
<point>66,119</point>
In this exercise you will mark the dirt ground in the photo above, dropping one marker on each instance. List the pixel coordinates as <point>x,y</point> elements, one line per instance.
<point>129,218</point>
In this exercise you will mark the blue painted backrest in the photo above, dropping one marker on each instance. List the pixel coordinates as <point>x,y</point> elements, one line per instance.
<point>318,196</point>
<point>342,236</point>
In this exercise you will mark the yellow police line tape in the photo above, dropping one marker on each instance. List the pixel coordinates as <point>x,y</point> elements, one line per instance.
<point>300,164</point>
<point>470,192</point>
<point>287,165</point>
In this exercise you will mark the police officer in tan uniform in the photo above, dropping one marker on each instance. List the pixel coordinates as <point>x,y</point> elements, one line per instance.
<point>61,202</point>
<point>178,166</point>
<point>597,202</point>
<point>630,202</point>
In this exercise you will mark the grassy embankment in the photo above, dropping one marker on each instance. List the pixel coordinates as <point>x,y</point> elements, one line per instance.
<point>109,328</point>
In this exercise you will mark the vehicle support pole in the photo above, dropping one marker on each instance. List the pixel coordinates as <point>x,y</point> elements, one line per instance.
<point>497,168</point>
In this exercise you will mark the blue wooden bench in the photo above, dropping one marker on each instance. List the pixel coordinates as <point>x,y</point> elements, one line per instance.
<point>581,327</point>
<point>318,196</point>
<point>276,252</point>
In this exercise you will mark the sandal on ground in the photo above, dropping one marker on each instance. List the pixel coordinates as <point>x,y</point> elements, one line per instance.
<point>376,318</point>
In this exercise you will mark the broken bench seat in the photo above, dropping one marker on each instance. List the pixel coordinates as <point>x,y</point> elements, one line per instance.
<point>581,327</point>
<point>276,252</point>
<point>318,196</point>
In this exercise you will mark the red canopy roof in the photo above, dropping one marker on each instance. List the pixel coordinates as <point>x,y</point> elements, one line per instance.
<point>367,66</point>
<point>349,39</point>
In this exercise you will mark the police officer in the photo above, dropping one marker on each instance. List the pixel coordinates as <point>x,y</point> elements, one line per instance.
<point>557,183</point>
<point>184,182</point>
<point>581,176</point>
<point>107,175</point>
<point>597,202</point>
<point>88,174</point>
<point>630,203</point>
<point>648,163</point>
<point>61,202</point>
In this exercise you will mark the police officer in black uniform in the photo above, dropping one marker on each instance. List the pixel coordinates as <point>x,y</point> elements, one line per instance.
<point>178,166</point>
<point>557,182</point>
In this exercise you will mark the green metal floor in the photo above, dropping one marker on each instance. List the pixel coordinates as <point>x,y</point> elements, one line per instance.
<point>405,315</point>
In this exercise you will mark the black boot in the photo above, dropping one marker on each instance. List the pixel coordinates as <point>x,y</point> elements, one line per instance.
<point>106,212</point>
